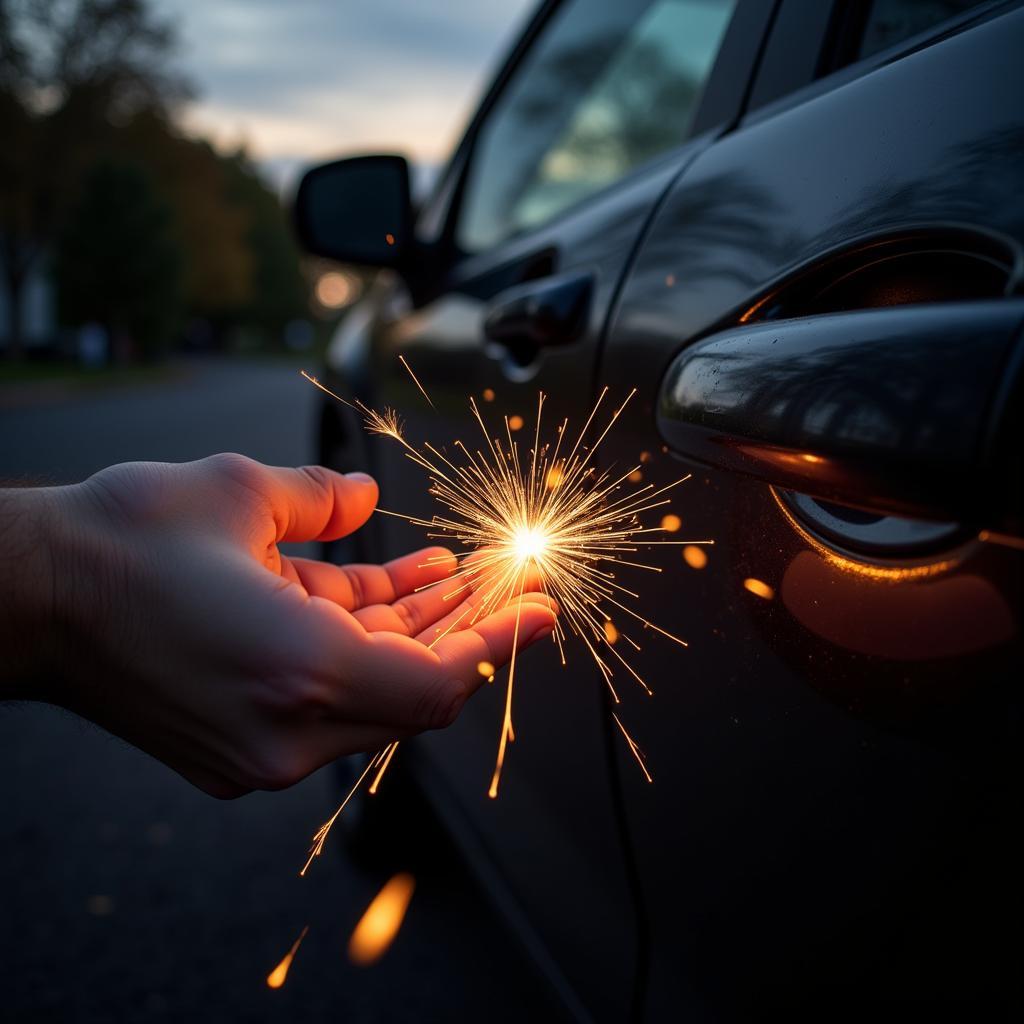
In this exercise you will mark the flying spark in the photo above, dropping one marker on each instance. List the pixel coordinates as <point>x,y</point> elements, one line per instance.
<point>536,515</point>
<point>382,920</point>
<point>276,978</point>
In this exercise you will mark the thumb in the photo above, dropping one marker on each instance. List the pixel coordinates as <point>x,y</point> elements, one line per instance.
<point>314,503</point>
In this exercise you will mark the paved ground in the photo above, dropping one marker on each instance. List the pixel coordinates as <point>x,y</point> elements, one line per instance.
<point>129,896</point>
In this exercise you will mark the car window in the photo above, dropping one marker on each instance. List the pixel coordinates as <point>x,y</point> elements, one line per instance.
<point>891,21</point>
<point>607,86</point>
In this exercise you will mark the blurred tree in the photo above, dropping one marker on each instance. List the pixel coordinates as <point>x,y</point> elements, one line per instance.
<point>118,262</point>
<point>280,292</point>
<point>71,72</point>
<point>211,225</point>
<point>242,266</point>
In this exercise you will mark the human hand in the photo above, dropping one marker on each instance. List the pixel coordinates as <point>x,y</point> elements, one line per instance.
<point>185,631</point>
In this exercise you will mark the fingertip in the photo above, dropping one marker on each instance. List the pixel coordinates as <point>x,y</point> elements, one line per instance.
<point>355,498</point>
<point>536,620</point>
<point>538,597</point>
<point>361,478</point>
<point>362,486</point>
<point>438,555</point>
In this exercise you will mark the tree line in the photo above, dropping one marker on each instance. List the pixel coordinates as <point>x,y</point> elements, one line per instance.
<point>142,228</point>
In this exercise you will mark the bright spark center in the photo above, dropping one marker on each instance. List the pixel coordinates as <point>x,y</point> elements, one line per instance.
<point>529,543</point>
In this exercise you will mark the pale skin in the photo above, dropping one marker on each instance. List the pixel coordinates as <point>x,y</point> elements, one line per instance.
<point>153,600</point>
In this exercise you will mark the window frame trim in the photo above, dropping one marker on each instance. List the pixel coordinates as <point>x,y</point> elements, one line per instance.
<point>720,104</point>
<point>826,39</point>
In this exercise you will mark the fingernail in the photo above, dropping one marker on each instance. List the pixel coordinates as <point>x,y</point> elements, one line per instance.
<point>360,478</point>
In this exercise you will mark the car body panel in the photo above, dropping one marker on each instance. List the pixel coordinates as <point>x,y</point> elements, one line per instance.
<point>836,765</point>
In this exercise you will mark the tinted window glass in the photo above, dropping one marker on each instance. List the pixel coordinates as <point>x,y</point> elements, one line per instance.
<point>891,21</point>
<point>607,86</point>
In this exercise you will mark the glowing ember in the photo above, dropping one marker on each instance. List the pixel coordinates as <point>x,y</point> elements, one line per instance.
<point>389,238</point>
<point>485,668</point>
<point>380,924</point>
<point>759,588</point>
<point>554,478</point>
<point>276,978</point>
<point>566,540</point>
<point>488,394</point>
<point>695,557</point>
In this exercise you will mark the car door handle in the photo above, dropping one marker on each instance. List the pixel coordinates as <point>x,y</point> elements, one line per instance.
<point>910,410</point>
<point>541,313</point>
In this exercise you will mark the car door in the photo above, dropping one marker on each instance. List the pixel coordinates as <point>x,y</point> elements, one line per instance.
<point>534,224</point>
<point>824,323</point>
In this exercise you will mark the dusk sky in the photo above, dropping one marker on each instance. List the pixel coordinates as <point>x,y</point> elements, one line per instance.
<point>303,80</point>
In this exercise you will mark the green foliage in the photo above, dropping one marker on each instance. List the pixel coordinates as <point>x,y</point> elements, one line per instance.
<point>118,262</point>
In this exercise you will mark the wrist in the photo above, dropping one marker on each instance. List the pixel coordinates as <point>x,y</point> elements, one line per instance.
<point>54,557</point>
<point>29,527</point>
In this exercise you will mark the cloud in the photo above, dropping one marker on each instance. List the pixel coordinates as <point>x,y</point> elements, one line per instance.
<point>305,79</point>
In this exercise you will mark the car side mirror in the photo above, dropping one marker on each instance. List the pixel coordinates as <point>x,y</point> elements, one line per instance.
<point>356,211</point>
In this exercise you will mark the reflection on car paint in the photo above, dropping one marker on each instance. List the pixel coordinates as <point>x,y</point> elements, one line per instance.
<point>918,620</point>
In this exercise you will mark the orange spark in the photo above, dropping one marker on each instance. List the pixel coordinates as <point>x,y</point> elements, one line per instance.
<point>488,394</point>
<point>635,476</point>
<point>759,588</point>
<point>381,922</point>
<point>389,238</point>
<point>276,978</point>
<point>695,557</point>
<point>415,381</point>
<point>485,668</point>
<point>633,748</point>
<point>611,634</point>
<point>321,834</point>
<point>671,523</point>
<point>389,752</point>
<point>515,423</point>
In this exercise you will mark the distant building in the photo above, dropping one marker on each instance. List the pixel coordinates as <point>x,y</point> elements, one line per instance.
<point>38,307</point>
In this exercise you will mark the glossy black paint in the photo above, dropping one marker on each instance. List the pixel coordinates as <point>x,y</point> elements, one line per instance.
<point>836,756</point>
<point>356,210</point>
<point>832,828</point>
<point>886,409</point>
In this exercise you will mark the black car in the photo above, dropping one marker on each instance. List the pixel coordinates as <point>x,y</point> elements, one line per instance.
<point>797,228</point>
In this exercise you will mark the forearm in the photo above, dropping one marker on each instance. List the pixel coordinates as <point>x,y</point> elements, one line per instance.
<point>33,539</point>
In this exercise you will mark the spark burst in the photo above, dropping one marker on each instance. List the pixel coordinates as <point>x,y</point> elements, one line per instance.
<point>545,516</point>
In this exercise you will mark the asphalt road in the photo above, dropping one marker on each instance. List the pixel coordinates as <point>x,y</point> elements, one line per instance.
<point>129,896</point>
